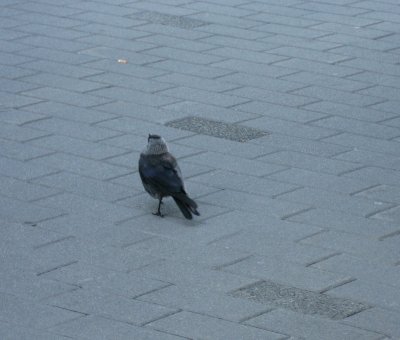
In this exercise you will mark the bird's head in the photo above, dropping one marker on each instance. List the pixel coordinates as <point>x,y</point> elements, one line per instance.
<point>156,145</point>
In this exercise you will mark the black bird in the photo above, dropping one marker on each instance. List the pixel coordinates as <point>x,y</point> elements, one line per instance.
<point>161,176</point>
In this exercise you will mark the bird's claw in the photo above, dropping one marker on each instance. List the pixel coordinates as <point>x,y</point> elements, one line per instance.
<point>158,214</point>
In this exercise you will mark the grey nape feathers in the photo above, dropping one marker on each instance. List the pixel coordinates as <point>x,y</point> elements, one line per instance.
<point>161,176</point>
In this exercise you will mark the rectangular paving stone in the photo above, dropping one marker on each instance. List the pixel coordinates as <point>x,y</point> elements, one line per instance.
<point>285,127</point>
<point>308,162</point>
<point>163,9</point>
<point>16,86</point>
<point>75,164</point>
<point>88,207</point>
<point>77,147</point>
<point>48,9</point>
<point>69,112</point>
<point>109,30</point>
<point>67,97</point>
<point>207,97</point>
<point>118,308</point>
<point>358,245</point>
<point>255,185</point>
<point>272,96</point>
<point>204,302</point>
<point>225,20</point>
<point>234,164</point>
<point>347,111</point>
<point>91,326</point>
<point>308,78</point>
<point>22,170</point>
<point>173,31</point>
<point>299,300</point>
<point>377,79</point>
<point>19,211</point>
<point>11,331</point>
<point>58,43</point>
<point>366,143</point>
<point>314,44</point>
<point>225,146</point>
<point>18,117</point>
<point>356,127</point>
<point>295,275</point>
<point>337,96</point>
<point>235,43</point>
<point>303,145</point>
<point>13,72</point>
<point>188,56</point>
<point>194,325</point>
<point>387,193</point>
<point>60,68</point>
<point>12,59</point>
<point>232,31</point>
<point>279,111</point>
<point>12,100</point>
<point>131,125</point>
<point>101,18</point>
<point>191,69</point>
<point>295,31</point>
<point>268,83</point>
<point>335,201</point>
<point>194,82</point>
<point>156,40</point>
<point>113,54</point>
<point>20,151</point>
<point>58,81</point>
<point>252,68</point>
<point>101,66</point>
<point>377,175</point>
<point>318,180</point>
<point>131,82</point>
<point>373,66</point>
<point>317,67</point>
<point>51,31</point>
<point>255,203</point>
<point>267,17</point>
<point>54,20</point>
<point>277,8</point>
<point>380,295</point>
<point>24,191</point>
<point>367,269</point>
<point>376,320</point>
<point>82,185</point>
<point>342,19</point>
<point>345,222</point>
<point>333,8</point>
<point>309,54</point>
<point>15,310</point>
<point>308,327</point>
<point>72,129</point>
<point>195,276</point>
<point>150,115</point>
<point>364,53</point>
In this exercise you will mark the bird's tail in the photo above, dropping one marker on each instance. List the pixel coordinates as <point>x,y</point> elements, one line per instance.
<point>186,205</point>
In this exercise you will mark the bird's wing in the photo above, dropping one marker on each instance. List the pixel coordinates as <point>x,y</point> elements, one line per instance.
<point>162,173</point>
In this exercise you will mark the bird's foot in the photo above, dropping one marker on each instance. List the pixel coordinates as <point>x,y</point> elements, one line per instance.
<point>158,213</point>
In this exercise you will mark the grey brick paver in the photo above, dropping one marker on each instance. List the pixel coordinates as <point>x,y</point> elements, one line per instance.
<point>312,207</point>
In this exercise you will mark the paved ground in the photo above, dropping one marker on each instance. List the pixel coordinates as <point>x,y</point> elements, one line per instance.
<point>299,234</point>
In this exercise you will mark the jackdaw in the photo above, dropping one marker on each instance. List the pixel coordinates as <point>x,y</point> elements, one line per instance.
<point>161,176</point>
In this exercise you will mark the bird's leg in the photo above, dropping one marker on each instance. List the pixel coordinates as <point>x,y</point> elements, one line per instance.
<point>158,213</point>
